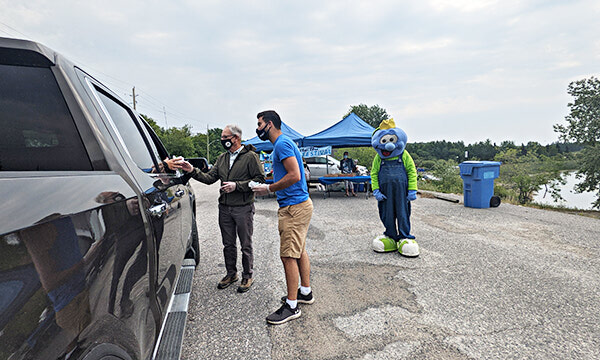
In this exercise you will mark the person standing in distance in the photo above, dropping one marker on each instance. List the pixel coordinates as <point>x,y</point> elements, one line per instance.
<point>348,166</point>
<point>294,214</point>
<point>236,167</point>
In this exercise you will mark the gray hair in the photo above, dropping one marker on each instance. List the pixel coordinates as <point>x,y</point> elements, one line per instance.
<point>235,130</point>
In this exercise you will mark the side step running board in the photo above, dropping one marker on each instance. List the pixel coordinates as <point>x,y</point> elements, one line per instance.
<point>173,329</point>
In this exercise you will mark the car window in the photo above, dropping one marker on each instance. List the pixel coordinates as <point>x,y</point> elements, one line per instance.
<point>157,148</point>
<point>38,132</point>
<point>130,134</point>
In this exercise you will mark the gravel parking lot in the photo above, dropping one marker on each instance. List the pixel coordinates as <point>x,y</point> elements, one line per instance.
<point>507,282</point>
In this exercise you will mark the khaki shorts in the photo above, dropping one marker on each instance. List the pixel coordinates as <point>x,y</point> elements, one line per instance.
<point>293,227</point>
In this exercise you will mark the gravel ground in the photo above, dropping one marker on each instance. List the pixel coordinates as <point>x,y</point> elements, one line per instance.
<point>504,283</point>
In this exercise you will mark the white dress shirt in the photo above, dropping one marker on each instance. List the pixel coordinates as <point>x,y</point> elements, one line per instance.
<point>234,155</point>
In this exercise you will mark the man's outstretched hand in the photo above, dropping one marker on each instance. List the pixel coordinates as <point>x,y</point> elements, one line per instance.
<point>179,163</point>
<point>261,189</point>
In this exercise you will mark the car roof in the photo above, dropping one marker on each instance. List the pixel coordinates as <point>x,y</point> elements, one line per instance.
<point>25,52</point>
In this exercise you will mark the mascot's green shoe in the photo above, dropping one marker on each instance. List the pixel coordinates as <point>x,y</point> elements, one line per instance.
<point>408,247</point>
<point>383,243</point>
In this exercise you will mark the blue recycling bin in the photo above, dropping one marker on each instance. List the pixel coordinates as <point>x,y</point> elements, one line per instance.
<point>478,182</point>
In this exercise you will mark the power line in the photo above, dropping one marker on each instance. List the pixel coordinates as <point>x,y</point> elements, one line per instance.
<point>9,34</point>
<point>160,107</point>
<point>15,30</point>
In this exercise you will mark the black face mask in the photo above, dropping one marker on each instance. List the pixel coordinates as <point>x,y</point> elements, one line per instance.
<point>227,144</point>
<point>262,134</point>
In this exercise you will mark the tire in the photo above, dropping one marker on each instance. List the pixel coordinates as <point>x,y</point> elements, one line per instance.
<point>495,201</point>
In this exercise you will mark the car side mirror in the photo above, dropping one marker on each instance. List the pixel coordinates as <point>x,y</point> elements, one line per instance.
<point>199,162</point>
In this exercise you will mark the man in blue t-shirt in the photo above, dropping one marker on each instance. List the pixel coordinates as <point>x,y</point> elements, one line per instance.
<point>295,212</point>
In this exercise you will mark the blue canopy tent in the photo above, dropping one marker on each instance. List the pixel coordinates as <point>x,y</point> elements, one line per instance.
<point>267,146</point>
<point>351,131</point>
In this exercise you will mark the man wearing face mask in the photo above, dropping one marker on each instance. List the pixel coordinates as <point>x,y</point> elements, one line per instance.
<point>348,166</point>
<point>294,214</point>
<point>236,167</point>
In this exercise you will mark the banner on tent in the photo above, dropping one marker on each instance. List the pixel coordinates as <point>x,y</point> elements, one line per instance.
<point>310,151</point>
<point>315,151</point>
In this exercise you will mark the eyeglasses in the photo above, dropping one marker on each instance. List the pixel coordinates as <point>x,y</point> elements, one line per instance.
<point>227,137</point>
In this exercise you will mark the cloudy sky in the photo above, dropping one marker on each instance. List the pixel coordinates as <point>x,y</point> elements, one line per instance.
<point>444,69</point>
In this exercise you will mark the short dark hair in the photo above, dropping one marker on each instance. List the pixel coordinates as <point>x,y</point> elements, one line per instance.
<point>270,116</point>
<point>345,153</point>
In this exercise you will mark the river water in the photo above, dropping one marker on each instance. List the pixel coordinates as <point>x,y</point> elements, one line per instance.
<point>572,199</point>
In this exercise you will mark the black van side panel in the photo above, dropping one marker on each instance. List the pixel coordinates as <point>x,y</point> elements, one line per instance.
<point>80,263</point>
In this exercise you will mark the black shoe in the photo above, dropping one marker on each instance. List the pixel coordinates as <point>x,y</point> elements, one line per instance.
<point>226,281</point>
<point>245,285</point>
<point>302,299</point>
<point>284,314</point>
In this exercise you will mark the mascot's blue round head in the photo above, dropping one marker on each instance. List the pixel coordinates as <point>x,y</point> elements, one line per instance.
<point>388,140</point>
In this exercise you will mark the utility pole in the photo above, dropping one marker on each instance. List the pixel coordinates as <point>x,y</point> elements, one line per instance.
<point>166,123</point>
<point>133,95</point>
<point>207,146</point>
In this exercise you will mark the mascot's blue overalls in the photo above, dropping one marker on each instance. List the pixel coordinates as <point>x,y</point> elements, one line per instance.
<point>394,181</point>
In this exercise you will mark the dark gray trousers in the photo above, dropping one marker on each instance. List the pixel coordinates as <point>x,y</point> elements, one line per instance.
<point>237,220</point>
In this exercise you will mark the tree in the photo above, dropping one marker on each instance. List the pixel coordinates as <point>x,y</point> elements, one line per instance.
<point>215,148</point>
<point>447,176</point>
<point>157,129</point>
<point>482,150</point>
<point>178,141</point>
<point>583,126</point>
<point>373,115</point>
<point>526,174</point>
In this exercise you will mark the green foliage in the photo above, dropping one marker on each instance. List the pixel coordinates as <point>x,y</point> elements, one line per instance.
<point>178,141</point>
<point>372,115</point>
<point>584,117</point>
<point>583,126</point>
<point>214,147</point>
<point>589,170</point>
<point>157,129</point>
<point>181,141</point>
<point>364,155</point>
<point>434,150</point>
<point>523,175</point>
<point>483,150</point>
<point>448,176</point>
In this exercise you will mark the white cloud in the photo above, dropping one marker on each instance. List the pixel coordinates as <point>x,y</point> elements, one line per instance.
<point>401,47</point>
<point>464,5</point>
<point>435,62</point>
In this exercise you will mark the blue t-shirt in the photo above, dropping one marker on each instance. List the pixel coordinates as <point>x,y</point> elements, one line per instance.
<point>284,148</point>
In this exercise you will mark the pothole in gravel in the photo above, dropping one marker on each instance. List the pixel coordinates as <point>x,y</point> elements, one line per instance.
<point>359,310</point>
<point>314,233</point>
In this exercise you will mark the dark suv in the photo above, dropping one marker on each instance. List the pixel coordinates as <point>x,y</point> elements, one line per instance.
<point>98,239</point>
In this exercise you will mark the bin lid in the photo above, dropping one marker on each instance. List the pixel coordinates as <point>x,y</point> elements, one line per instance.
<point>466,167</point>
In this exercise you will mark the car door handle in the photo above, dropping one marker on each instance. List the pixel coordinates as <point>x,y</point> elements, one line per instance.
<point>179,193</point>
<point>158,210</point>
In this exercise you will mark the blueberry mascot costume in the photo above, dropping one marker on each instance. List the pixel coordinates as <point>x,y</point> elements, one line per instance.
<point>394,181</point>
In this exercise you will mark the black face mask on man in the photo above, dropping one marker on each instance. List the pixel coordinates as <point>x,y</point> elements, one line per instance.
<point>227,143</point>
<point>262,134</point>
